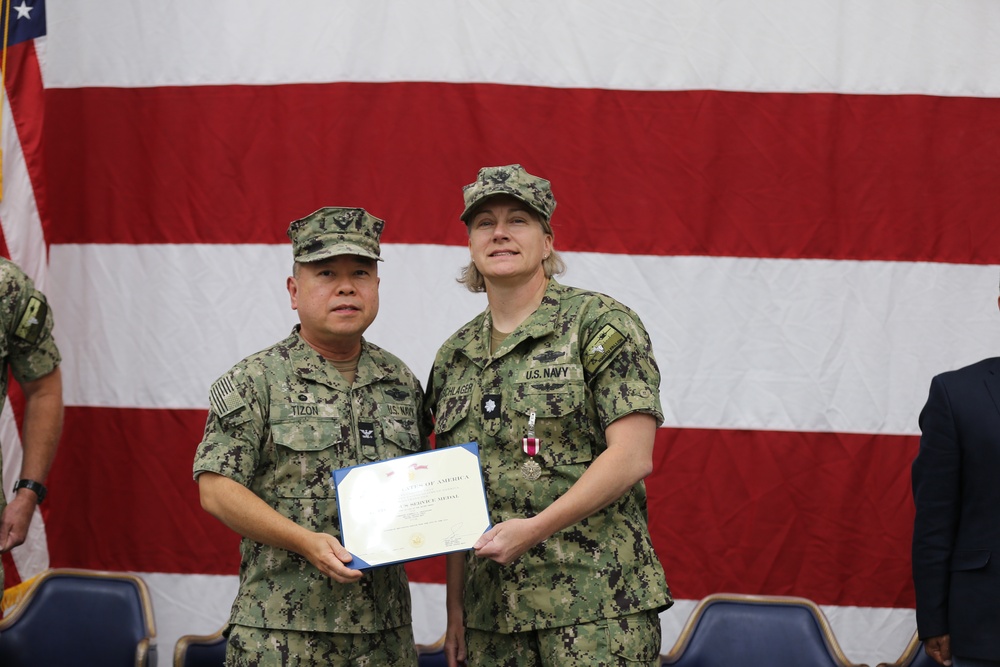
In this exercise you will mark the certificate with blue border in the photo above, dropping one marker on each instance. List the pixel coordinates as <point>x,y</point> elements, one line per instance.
<point>412,507</point>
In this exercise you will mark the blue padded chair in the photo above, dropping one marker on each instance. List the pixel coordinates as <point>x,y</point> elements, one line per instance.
<point>201,650</point>
<point>727,629</point>
<point>432,655</point>
<point>81,618</point>
<point>913,655</point>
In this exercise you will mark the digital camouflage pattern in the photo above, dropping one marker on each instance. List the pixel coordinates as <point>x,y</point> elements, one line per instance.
<point>510,180</point>
<point>626,641</point>
<point>334,230</point>
<point>280,422</point>
<point>255,647</point>
<point>579,362</point>
<point>26,345</point>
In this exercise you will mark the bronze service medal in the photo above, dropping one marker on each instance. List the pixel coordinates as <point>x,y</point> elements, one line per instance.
<point>530,469</point>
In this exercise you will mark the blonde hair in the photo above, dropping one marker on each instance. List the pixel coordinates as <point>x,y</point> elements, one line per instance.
<point>553,265</point>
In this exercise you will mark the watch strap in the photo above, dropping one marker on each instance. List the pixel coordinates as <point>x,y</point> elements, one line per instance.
<point>32,485</point>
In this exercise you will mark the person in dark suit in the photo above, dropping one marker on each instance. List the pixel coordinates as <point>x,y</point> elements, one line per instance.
<point>956,532</point>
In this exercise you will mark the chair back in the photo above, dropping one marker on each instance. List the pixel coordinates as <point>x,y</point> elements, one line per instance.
<point>729,629</point>
<point>81,618</point>
<point>200,650</point>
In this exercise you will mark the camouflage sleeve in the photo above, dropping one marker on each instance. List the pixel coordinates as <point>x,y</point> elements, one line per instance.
<point>619,364</point>
<point>430,396</point>
<point>32,351</point>
<point>235,429</point>
<point>435,383</point>
<point>426,423</point>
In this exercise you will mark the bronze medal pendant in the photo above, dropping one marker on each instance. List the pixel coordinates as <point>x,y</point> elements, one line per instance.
<point>530,470</point>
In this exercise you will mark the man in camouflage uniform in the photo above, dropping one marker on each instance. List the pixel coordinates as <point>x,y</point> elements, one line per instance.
<point>281,421</point>
<point>28,350</point>
<point>567,575</point>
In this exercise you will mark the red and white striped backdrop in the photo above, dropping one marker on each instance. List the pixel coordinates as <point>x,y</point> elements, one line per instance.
<point>799,199</point>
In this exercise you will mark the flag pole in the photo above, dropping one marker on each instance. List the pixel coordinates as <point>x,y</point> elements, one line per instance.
<point>3,82</point>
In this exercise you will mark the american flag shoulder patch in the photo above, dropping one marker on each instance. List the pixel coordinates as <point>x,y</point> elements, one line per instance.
<point>224,398</point>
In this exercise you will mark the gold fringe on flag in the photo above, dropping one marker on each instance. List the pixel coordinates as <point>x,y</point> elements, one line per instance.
<point>13,595</point>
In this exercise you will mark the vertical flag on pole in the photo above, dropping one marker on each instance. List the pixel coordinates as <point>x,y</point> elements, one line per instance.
<point>22,216</point>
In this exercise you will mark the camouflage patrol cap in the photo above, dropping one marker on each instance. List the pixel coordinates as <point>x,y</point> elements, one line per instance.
<point>510,180</point>
<point>335,230</point>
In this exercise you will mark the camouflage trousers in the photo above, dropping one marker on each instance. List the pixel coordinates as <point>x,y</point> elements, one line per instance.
<point>613,642</point>
<point>264,647</point>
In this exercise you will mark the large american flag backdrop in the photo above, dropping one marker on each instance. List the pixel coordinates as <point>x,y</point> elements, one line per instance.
<point>799,199</point>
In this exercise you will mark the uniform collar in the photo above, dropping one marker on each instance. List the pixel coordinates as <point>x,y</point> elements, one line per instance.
<point>310,364</point>
<point>473,340</point>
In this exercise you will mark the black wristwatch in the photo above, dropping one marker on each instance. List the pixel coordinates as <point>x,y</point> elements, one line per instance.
<point>32,485</point>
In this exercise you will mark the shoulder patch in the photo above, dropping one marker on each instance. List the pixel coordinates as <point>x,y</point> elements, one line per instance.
<point>32,321</point>
<point>224,398</point>
<point>601,347</point>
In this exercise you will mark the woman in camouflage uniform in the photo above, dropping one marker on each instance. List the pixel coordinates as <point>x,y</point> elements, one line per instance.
<point>560,389</point>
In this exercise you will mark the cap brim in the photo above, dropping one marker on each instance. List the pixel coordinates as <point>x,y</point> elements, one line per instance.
<point>470,209</point>
<point>335,250</point>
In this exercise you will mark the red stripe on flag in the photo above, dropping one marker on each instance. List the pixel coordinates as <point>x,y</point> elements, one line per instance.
<point>827,516</point>
<point>27,101</point>
<point>904,177</point>
<point>824,516</point>
<point>121,495</point>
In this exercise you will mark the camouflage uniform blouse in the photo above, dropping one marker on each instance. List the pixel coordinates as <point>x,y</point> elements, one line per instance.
<point>580,362</point>
<point>281,421</point>
<point>26,344</point>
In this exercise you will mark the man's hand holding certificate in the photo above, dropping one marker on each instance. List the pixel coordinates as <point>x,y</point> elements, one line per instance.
<point>412,507</point>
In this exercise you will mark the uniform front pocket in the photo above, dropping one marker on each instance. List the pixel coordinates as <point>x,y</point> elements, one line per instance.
<point>560,421</point>
<point>452,408</point>
<point>307,451</point>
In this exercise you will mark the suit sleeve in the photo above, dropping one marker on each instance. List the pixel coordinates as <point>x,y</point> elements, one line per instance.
<point>936,476</point>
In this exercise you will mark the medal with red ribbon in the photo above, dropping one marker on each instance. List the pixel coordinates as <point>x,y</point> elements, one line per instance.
<point>530,444</point>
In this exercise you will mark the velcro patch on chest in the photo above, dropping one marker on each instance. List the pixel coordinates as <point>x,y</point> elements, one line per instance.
<point>602,347</point>
<point>30,327</point>
<point>400,410</point>
<point>366,433</point>
<point>491,406</point>
<point>224,398</point>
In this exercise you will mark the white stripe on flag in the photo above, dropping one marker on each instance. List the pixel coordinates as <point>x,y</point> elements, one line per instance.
<point>799,345</point>
<point>853,46</point>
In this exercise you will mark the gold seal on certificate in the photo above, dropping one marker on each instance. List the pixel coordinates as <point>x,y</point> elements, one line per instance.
<point>412,506</point>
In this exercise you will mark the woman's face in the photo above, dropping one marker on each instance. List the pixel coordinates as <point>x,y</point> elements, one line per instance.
<point>507,241</point>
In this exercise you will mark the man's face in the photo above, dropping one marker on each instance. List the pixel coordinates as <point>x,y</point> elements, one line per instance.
<point>337,299</point>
